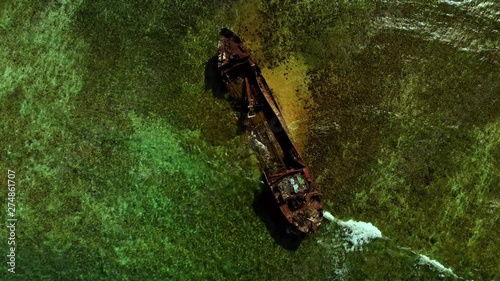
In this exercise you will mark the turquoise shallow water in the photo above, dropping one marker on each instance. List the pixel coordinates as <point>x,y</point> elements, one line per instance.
<point>128,167</point>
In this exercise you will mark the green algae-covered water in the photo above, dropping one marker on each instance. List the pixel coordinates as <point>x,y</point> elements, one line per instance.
<point>129,167</point>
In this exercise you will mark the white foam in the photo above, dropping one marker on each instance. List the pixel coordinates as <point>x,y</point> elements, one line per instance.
<point>357,233</point>
<point>434,263</point>
<point>327,215</point>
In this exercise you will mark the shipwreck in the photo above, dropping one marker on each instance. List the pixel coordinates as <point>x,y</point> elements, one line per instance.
<point>284,170</point>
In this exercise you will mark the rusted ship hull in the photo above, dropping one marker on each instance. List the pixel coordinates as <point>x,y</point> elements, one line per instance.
<point>285,172</point>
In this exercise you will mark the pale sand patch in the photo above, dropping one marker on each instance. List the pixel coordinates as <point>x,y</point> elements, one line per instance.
<point>288,83</point>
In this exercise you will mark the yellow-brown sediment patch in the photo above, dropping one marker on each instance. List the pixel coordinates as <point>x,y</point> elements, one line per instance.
<point>289,82</point>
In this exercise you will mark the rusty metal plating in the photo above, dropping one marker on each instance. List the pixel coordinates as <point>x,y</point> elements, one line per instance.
<point>284,169</point>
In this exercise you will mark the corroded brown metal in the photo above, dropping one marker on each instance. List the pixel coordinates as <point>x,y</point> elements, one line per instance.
<point>286,174</point>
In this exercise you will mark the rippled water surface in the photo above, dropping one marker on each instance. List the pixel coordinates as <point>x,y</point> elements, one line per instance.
<point>130,165</point>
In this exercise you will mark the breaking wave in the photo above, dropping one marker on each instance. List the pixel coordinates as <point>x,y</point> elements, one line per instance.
<point>355,233</point>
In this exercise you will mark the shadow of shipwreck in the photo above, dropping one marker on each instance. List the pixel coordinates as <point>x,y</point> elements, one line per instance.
<point>279,228</point>
<point>213,81</point>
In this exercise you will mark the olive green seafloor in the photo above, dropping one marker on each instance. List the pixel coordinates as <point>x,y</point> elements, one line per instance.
<point>128,168</point>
